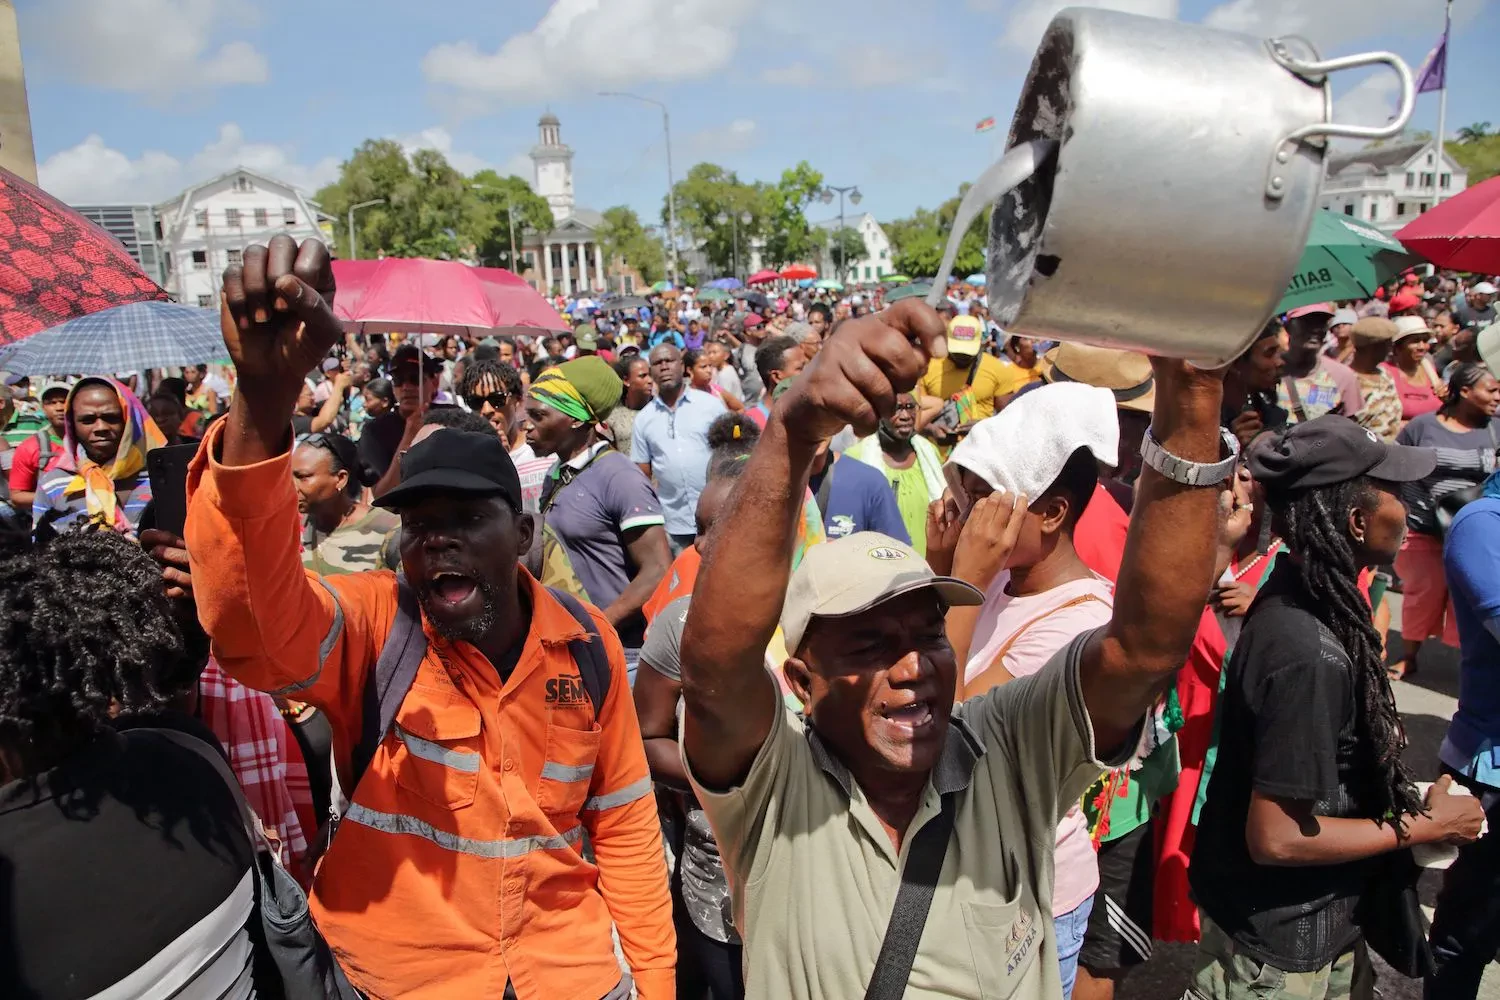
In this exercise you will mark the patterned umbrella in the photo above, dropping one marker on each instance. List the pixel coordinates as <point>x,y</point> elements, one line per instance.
<point>56,265</point>
<point>121,339</point>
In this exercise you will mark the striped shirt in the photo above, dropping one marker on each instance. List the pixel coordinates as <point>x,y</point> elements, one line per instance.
<point>1464,458</point>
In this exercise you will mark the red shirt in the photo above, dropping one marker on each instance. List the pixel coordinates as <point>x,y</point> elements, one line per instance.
<point>24,471</point>
<point>1099,537</point>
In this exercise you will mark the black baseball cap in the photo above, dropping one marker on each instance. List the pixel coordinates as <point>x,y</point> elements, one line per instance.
<point>453,461</point>
<point>1333,449</point>
<point>407,354</point>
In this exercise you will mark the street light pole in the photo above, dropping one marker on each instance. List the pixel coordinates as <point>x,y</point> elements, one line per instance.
<point>854,197</point>
<point>666,128</point>
<point>353,241</point>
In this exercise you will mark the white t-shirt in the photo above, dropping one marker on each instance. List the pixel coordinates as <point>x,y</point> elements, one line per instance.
<point>1035,628</point>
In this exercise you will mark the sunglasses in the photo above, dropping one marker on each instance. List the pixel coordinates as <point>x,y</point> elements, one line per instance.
<point>497,400</point>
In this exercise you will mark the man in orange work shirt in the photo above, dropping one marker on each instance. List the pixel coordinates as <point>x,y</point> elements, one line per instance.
<point>457,870</point>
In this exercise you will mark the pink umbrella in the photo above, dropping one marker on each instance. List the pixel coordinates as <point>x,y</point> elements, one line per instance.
<point>763,277</point>
<point>412,295</point>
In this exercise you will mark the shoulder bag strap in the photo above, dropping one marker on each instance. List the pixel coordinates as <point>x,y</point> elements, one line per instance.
<point>1014,636</point>
<point>593,662</point>
<point>387,684</point>
<point>1295,398</point>
<point>919,879</point>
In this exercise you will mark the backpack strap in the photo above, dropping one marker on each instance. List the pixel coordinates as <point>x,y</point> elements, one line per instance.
<point>387,685</point>
<point>588,654</point>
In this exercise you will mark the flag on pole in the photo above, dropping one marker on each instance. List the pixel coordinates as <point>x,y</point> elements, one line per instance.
<point>1434,72</point>
<point>985,124</point>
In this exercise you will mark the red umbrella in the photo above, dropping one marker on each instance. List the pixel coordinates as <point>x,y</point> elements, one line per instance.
<point>762,277</point>
<point>1462,233</point>
<point>55,265</point>
<point>798,272</point>
<point>413,295</point>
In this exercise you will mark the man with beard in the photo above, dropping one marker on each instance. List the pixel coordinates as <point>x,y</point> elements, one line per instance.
<point>910,463</point>
<point>457,865</point>
<point>670,442</point>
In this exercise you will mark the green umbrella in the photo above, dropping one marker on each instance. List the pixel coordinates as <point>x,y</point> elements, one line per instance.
<point>828,284</point>
<point>662,286</point>
<point>918,290</point>
<point>714,295</point>
<point>894,279</point>
<point>1345,259</point>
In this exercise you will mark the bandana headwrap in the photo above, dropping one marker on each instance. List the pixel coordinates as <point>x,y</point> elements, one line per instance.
<point>94,483</point>
<point>585,389</point>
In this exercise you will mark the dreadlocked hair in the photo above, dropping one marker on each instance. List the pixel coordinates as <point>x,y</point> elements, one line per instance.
<point>1312,523</point>
<point>85,625</point>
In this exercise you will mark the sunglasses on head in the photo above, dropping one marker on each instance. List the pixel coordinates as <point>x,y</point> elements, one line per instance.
<point>497,400</point>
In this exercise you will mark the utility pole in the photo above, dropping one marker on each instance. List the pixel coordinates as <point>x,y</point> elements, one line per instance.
<point>666,128</point>
<point>854,199</point>
<point>353,241</point>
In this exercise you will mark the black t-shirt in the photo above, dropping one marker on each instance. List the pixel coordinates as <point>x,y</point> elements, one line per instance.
<point>112,858</point>
<point>1287,729</point>
<point>378,441</point>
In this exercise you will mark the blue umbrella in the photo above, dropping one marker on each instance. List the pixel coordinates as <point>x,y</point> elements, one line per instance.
<point>975,279</point>
<point>725,284</point>
<point>125,338</point>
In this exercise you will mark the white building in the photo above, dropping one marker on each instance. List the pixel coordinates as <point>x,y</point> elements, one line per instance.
<point>876,261</point>
<point>208,226</point>
<point>569,258</point>
<point>1389,186</point>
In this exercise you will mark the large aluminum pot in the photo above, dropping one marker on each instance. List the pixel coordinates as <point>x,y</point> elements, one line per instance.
<point>1183,186</point>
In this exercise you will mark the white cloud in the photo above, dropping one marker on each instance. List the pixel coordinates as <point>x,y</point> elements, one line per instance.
<point>1370,102</point>
<point>738,135</point>
<point>441,139</point>
<point>1029,18</point>
<point>874,65</point>
<point>795,75</point>
<point>158,48</point>
<point>581,46</point>
<point>95,172</point>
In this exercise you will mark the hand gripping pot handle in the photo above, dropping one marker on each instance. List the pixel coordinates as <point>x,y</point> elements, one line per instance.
<point>1314,71</point>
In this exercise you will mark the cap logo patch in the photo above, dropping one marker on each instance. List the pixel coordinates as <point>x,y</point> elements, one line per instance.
<point>886,552</point>
<point>1371,435</point>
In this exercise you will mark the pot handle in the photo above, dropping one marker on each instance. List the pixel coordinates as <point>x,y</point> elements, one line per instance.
<point>1316,71</point>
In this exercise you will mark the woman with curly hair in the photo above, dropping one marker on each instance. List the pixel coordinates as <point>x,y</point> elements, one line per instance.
<point>127,865</point>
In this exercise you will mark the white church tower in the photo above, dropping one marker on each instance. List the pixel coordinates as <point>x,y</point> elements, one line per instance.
<point>553,163</point>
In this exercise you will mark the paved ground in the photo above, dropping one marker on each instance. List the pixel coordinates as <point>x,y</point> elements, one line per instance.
<point>1427,701</point>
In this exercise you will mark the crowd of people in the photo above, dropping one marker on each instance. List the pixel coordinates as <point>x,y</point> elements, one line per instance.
<point>801,645</point>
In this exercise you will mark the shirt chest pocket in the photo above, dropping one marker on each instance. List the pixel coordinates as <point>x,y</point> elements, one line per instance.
<point>441,743</point>
<point>568,769</point>
<point>1004,940</point>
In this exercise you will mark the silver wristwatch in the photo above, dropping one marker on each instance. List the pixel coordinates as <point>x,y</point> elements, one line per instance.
<point>1180,470</point>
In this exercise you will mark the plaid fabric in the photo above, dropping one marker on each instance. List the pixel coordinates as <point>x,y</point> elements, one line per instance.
<point>125,338</point>
<point>263,754</point>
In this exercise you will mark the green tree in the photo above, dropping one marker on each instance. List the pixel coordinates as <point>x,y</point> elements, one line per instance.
<point>622,237</point>
<point>1479,156</point>
<point>1474,132</point>
<point>919,241</point>
<point>788,237</point>
<point>502,205</point>
<point>844,245</point>
<point>425,208</point>
<point>706,194</point>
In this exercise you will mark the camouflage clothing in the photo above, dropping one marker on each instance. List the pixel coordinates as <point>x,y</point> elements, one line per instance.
<point>1222,973</point>
<point>368,543</point>
<point>557,567</point>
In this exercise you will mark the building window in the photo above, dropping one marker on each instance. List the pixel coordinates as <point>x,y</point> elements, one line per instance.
<point>262,218</point>
<point>1422,208</point>
<point>1411,179</point>
<point>204,301</point>
<point>236,258</point>
<point>1349,209</point>
<point>200,218</point>
<point>1444,181</point>
<point>289,216</point>
<point>629,284</point>
<point>1373,211</point>
<point>1427,180</point>
<point>1400,209</point>
<point>1429,159</point>
<point>242,184</point>
<point>200,260</point>
<point>884,254</point>
<point>867,272</point>
<point>232,218</point>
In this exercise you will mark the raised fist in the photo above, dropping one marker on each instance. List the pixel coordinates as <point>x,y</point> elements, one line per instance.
<point>856,376</point>
<point>277,314</point>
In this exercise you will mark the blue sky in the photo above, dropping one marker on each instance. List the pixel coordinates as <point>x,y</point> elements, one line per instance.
<point>136,99</point>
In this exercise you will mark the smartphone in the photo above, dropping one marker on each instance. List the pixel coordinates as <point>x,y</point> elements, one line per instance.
<point>168,470</point>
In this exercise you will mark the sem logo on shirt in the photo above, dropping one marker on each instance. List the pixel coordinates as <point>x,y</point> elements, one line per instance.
<point>566,691</point>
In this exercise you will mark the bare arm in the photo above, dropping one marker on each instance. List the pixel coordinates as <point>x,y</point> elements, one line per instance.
<point>652,556</point>
<point>1285,833</point>
<point>645,468</point>
<point>854,380</point>
<point>391,478</point>
<point>656,698</point>
<point>1168,566</point>
<point>331,406</point>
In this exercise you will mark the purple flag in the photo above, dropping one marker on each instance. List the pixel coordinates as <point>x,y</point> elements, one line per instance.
<point>1434,73</point>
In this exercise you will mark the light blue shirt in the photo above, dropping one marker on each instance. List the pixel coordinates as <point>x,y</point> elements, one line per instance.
<point>674,442</point>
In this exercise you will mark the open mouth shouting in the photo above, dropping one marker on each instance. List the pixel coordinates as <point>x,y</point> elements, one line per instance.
<point>459,605</point>
<point>910,720</point>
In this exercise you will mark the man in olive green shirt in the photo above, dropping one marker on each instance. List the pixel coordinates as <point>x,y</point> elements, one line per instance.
<point>815,821</point>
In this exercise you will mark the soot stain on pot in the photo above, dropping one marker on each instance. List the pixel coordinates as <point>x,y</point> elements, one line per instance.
<point>1019,216</point>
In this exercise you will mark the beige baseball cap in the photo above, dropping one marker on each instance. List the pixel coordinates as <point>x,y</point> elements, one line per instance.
<point>853,574</point>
